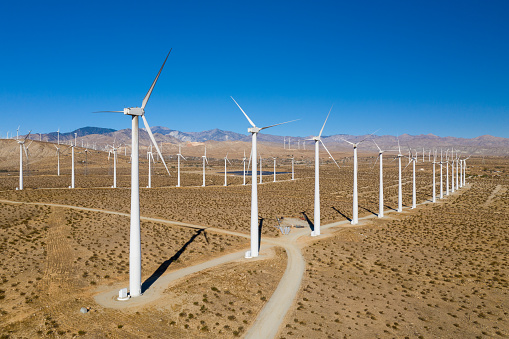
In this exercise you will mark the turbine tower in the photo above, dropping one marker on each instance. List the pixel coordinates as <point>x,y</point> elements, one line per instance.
<point>447,172</point>
<point>244,172</point>
<point>72,165</point>
<point>413,160</point>
<point>113,150</point>
<point>179,155</point>
<point>434,198</point>
<point>21,149</point>
<point>204,157</point>
<point>355,207</point>
<point>274,169</point>
<point>316,215</point>
<point>441,179</point>
<point>381,190</point>
<point>261,173</point>
<point>452,170</point>
<point>400,189</point>
<point>150,156</point>
<point>293,172</point>
<point>58,159</point>
<point>254,188</point>
<point>135,239</point>
<point>225,160</point>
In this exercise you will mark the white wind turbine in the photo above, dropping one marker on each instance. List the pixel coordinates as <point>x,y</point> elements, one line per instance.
<point>179,155</point>
<point>452,170</point>
<point>441,179</point>
<point>381,189</point>
<point>21,149</point>
<point>261,172</point>
<point>204,157</point>
<point>135,239</point>
<point>457,171</point>
<point>244,172</point>
<point>113,150</point>
<point>225,160</point>
<point>400,189</point>
<point>316,213</point>
<point>413,160</point>
<point>58,159</point>
<point>293,161</point>
<point>447,172</point>
<point>433,197</point>
<point>254,188</point>
<point>274,169</point>
<point>150,157</point>
<point>72,165</point>
<point>355,214</point>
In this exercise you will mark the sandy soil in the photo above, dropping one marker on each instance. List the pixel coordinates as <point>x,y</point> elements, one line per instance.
<point>437,271</point>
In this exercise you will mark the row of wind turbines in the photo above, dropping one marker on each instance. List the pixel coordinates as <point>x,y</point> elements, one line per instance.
<point>135,241</point>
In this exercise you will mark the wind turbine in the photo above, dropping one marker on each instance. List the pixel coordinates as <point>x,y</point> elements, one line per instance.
<point>204,157</point>
<point>457,171</point>
<point>381,190</point>
<point>447,172</point>
<point>254,188</point>
<point>58,159</point>
<point>413,160</point>
<point>150,156</point>
<point>72,165</point>
<point>135,240</point>
<point>433,197</point>
<point>293,160</point>
<point>244,172</point>
<point>355,214</point>
<point>400,190</point>
<point>179,155</point>
<point>274,169</point>
<point>452,170</point>
<point>261,172</point>
<point>114,151</point>
<point>316,212</point>
<point>441,179</point>
<point>21,149</point>
<point>225,160</point>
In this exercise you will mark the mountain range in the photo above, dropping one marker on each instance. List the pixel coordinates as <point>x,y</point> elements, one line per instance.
<point>103,136</point>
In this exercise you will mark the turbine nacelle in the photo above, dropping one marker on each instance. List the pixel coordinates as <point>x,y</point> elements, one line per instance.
<point>254,129</point>
<point>135,111</point>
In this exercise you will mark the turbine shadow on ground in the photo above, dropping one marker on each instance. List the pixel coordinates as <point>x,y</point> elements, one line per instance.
<point>311,225</point>
<point>164,266</point>
<point>370,211</point>
<point>342,214</point>
<point>260,226</point>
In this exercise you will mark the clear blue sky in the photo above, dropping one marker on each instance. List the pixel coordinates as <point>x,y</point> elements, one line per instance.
<point>412,67</point>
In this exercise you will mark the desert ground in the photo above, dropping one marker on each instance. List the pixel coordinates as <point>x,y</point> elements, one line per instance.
<point>439,270</point>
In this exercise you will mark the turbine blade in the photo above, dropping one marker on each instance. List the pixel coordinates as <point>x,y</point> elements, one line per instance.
<point>329,153</point>
<point>378,157</point>
<point>368,136</point>
<point>145,100</point>
<point>27,136</point>
<point>351,143</point>
<point>377,146</point>
<point>109,112</point>
<point>251,122</point>
<point>319,135</point>
<point>278,124</point>
<point>154,142</point>
<point>406,166</point>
